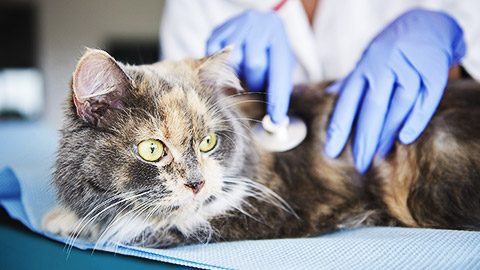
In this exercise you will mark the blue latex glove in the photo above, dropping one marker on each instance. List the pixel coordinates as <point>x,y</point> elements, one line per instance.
<point>396,86</point>
<point>261,56</point>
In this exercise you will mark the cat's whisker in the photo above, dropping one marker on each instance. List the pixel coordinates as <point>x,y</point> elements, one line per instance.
<point>232,141</point>
<point>147,210</point>
<point>248,119</point>
<point>149,215</point>
<point>234,96</point>
<point>152,209</point>
<point>102,239</point>
<point>130,217</point>
<point>241,121</point>
<point>105,240</point>
<point>77,232</point>
<point>124,224</point>
<point>246,127</point>
<point>246,101</point>
<point>242,135</point>
<point>238,207</point>
<point>145,221</point>
<point>137,210</point>
<point>266,193</point>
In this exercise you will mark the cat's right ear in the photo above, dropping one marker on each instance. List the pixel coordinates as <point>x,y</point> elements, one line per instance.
<point>99,87</point>
<point>216,72</point>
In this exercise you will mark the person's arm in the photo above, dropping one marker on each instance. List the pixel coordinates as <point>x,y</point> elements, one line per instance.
<point>465,13</point>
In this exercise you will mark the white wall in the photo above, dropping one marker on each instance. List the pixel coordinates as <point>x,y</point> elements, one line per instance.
<point>66,27</point>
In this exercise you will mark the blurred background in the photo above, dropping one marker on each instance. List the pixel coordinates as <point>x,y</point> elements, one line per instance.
<point>41,41</point>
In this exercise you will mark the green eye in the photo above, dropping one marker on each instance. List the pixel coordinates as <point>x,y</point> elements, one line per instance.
<point>150,150</point>
<point>208,142</point>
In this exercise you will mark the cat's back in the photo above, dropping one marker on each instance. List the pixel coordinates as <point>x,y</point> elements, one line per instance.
<point>434,181</point>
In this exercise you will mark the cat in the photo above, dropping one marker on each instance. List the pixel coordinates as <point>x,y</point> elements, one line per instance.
<point>162,155</point>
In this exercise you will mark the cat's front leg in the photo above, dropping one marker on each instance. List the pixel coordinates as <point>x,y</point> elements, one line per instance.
<point>62,221</point>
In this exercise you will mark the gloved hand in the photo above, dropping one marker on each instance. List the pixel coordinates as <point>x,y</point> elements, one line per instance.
<point>396,86</point>
<point>261,56</point>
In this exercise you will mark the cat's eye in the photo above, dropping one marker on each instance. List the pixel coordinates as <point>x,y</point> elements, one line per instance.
<point>209,142</point>
<point>150,150</point>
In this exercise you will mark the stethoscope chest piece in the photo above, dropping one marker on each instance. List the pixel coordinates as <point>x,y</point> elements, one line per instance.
<point>280,137</point>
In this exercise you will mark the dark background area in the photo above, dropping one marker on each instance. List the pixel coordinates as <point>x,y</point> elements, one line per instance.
<point>19,35</point>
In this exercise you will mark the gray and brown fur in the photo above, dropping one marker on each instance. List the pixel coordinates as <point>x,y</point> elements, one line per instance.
<point>105,188</point>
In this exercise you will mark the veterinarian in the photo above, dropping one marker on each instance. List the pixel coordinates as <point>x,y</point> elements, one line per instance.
<point>391,57</point>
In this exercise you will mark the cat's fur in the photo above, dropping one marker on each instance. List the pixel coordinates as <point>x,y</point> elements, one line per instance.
<point>109,194</point>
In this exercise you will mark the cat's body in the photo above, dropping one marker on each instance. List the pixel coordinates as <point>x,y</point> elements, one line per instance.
<point>236,190</point>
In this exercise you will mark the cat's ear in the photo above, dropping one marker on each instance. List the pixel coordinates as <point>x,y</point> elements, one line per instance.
<point>214,71</point>
<point>100,87</point>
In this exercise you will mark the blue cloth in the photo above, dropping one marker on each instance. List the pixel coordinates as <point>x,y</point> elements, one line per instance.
<point>27,153</point>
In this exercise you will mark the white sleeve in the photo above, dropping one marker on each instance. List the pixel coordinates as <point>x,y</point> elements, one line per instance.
<point>186,25</point>
<point>467,14</point>
<point>183,30</point>
<point>340,48</point>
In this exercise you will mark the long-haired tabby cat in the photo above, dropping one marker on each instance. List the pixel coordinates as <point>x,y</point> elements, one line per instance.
<point>161,155</point>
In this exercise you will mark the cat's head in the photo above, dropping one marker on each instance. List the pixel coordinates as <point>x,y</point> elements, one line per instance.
<point>162,139</point>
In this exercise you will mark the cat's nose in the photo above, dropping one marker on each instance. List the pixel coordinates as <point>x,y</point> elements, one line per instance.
<point>195,186</point>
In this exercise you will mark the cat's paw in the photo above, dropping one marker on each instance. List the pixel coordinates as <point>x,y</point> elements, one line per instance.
<point>64,222</point>
<point>60,221</point>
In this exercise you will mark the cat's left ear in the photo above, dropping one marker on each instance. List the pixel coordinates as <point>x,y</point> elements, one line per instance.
<point>214,71</point>
<point>100,88</point>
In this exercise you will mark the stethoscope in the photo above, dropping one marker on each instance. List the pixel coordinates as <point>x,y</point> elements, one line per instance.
<point>283,136</point>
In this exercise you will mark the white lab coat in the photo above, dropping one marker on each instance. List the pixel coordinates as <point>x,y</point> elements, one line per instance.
<point>331,47</point>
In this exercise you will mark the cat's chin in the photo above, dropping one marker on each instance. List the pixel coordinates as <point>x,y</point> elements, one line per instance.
<point>190,205</point>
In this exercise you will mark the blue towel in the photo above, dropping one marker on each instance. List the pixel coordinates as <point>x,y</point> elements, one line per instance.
<point>27,153</point>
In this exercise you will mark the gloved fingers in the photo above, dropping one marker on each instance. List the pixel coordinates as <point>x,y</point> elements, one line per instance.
<point>423,110</point>
<point>371,118</point>
<point>256,63</point>
<point>401,104</point>
<point>405,93</point>
<point>336,86</point>
<point>218,37</point>
<point>239,39</point>
<point>280,80</point>
<point>216,41</point>
<point>344,113</point>
<point>459,50</point>
<point>233,32</point>
<point>434,75</point>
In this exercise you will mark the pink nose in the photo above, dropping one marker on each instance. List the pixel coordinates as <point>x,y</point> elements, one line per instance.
<point>195,186</point>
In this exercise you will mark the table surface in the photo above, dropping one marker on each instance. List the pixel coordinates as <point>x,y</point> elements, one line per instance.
<point>367,248</point>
